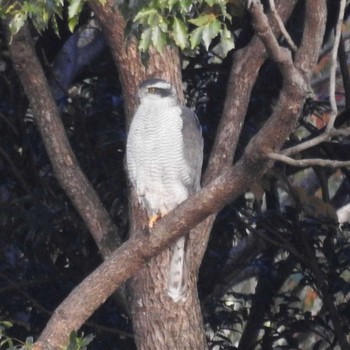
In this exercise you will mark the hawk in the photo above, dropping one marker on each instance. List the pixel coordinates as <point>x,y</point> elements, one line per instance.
<point>164,155</point>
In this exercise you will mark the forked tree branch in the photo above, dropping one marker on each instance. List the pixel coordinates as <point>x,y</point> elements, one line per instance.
<point>63,160</point>
<point>329,131</point>
<point>281,26</point>
<point>133,254</point>
<point>244,72</point>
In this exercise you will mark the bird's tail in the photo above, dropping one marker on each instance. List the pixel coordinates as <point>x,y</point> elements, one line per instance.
<point>177,279</point>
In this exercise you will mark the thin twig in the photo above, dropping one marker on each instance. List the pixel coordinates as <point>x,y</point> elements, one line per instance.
<point>327,135</point>
<point>279,54</point>
<point>309,162</point>
<point>333,69</point>
<point>283,243</point>
<point>281,26</point>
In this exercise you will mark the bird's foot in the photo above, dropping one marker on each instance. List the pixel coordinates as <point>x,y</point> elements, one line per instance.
<point>153,219</point>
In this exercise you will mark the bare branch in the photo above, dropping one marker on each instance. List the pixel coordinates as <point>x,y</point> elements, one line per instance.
<point>133,254</point>
<point>333,69</point>
<point>245,68</point>
<point>63,160</point>
<point>261,24</point>
<point>327,135</point>
<point>309,162</point>
<point>308,54</point>
<point>281,26</point>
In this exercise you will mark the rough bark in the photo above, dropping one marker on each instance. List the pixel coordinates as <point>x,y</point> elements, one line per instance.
<point>158,321</point>
<point>63,160</point>
<point>244,72</point>
<point>149,284</point>
<point>124,50</point>
<point>133,255</point>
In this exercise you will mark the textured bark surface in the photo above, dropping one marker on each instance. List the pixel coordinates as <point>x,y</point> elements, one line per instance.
<point>244,72</point>
<point>128,60</point>
<point>158,322</point>
<point>63,160</point>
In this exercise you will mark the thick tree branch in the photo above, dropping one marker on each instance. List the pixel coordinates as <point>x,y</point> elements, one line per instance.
<point>307,55</point>
<point>244,72</point>
<point>133,254</point>
<point>63,160</point>
<point>212,198</point>
<point>329,131</point>
<point>93,291</point>
<point>280,55</point>
<point>157,312</point>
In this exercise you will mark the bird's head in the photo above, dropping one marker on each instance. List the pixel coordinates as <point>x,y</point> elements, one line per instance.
<point>152,90</point>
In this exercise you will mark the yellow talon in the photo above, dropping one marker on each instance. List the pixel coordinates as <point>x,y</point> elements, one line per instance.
<point>153,219</point>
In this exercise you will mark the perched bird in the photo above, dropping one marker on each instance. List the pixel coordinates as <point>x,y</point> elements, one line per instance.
<point>164,155</point>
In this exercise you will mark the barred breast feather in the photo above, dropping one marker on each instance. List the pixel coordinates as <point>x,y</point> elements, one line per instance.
<point>156,161</point>
<point>164,157</point>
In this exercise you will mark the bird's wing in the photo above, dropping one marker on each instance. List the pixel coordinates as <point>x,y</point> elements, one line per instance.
<point>193,146</point>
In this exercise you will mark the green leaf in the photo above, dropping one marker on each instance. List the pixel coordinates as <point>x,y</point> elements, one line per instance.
<point>72,23</point>
<point>17,22</point>
<point>195,37</point>
<point>171,4</point>
<point>158,39</point>
<point>55,26</point>
<point>74,8</point>
<point>45,16</point>
<point>210,31</point>
<point>226,41</point>
<point>72,341</point>
<point>163,25</point>
<point>185,5</point>
<point>153,19</point>
<point>211,2</point>
<point>180,33</point>
<point>6,324</point>
<point>146,40</point>
<point>202,20</point>
<point>144,13</point>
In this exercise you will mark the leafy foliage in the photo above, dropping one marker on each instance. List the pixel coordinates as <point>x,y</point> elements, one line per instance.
<point>9,343</point>
<point>46,249</point>
<point>79,343</point>
<point>183,23</point>
<point>187,24</point>
<point>42,13</point>
<point>75,342</point>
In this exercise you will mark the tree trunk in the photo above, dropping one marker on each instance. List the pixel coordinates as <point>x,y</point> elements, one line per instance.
<point>158,322</point>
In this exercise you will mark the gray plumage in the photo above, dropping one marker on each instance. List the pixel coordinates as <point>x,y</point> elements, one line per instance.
<point>164,156</point>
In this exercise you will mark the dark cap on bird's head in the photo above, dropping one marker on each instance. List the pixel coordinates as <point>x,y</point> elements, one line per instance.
<point>155,87</point>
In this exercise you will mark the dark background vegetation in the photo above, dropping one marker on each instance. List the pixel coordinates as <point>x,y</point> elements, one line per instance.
<point>46,250</point>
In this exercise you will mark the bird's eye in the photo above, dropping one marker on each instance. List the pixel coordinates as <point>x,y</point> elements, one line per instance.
<point>152,90</point>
